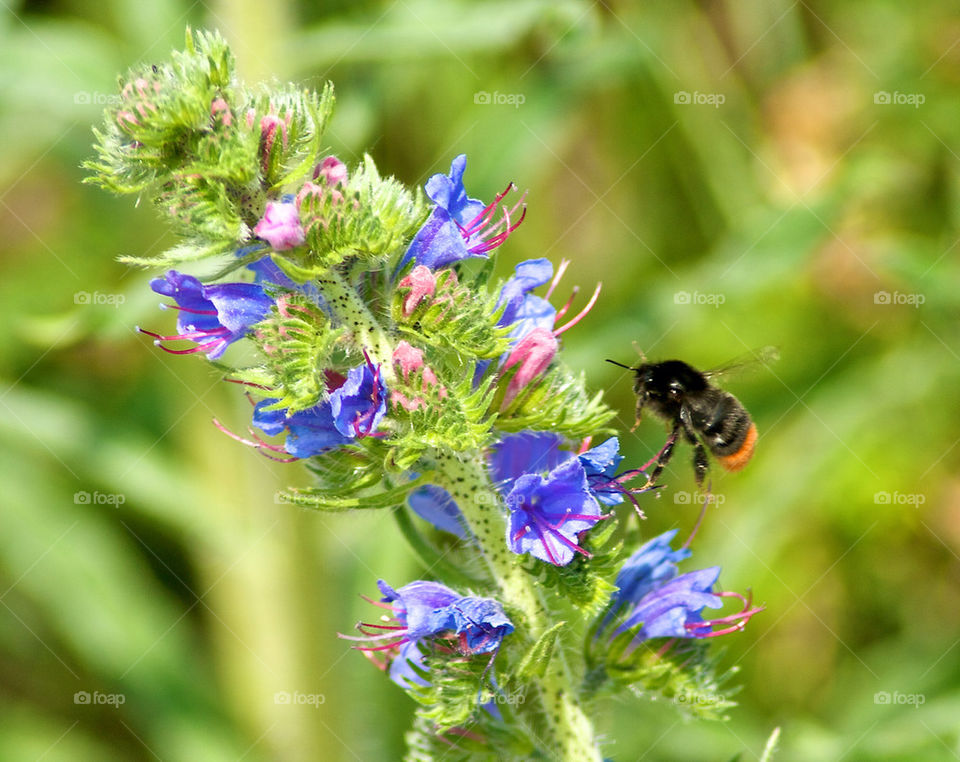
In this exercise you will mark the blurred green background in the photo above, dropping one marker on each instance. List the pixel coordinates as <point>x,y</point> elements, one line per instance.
<point>738,174</point>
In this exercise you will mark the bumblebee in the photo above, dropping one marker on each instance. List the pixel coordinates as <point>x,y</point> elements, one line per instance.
<point>708,417</point>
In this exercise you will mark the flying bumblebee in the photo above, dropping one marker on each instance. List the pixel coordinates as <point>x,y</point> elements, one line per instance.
<point>707,416</point>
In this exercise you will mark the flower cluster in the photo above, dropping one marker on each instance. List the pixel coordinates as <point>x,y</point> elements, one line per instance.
<point>653,600</point>
<point>379,351</point>
<point>430,613</point>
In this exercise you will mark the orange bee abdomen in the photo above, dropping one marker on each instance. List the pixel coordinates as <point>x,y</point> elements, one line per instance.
<point>737,460</point>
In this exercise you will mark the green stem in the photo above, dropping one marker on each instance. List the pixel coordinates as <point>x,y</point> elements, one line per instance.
<point>467,482</point>
<point>431,559</point>
<point>345,303</point>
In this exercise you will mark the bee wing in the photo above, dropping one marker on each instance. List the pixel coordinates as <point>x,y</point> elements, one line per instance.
<point>758,358</point>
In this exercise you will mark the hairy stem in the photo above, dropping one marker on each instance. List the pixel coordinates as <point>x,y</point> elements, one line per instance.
<point>467,482</point>
<point>345,303</point>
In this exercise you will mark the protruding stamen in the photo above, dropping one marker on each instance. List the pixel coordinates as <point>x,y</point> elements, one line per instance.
<point>582,314</point>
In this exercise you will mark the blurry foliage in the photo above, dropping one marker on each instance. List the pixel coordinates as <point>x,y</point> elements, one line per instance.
<point>798,200</point>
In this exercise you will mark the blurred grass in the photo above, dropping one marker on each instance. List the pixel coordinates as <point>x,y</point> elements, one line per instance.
<point>797,200</point>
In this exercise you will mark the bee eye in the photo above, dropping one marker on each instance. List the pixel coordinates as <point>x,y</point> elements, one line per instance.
<point>674,392</point>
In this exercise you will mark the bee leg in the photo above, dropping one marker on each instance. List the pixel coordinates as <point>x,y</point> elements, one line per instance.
<point>664,456</point>
<point>700,463</point>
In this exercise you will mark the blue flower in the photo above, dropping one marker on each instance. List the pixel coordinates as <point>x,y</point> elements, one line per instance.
<point>353,410</point>
<point>213,316</point>
<point>434,504</point>
<point>524,310</point>
<point>459,226</point>
<point>424,610</point>
<point>547,514</point>
<point>654,601</point>
<point>528,452</point>
<point>601,464</point>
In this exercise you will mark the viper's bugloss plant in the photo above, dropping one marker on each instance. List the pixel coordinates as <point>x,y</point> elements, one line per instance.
<point>410,382</point>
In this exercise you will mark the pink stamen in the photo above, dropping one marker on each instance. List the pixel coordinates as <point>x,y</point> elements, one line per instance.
<point>485,214</point>
<point>563,310</point>
<point>186,309</point>
<point>564,264</point>
<point>257,444</point>
<point>582,314</point>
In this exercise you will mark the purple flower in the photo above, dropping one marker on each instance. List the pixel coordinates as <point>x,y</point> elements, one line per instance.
<point>459,226</point>
<point>547,514</point>
<point>525,453</point>
<point>353,410</point>
<point>310,431</point>
<point>280,226</point>
<point>524,310</point>
<point>213,316</point>
<point>654,601</point>
<point>426,610</point>
<point>434,504</point>
<point>601,464</point>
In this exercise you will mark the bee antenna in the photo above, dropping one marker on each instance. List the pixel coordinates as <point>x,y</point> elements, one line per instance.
<point>619,364</point>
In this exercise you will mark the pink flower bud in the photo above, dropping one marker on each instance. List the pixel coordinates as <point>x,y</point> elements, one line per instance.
<point>422,284</point>
<point>534,353</point>
<point>280,226</point>
<point>219,106</point>
<point>408,359</point>
<point>332,170</point>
